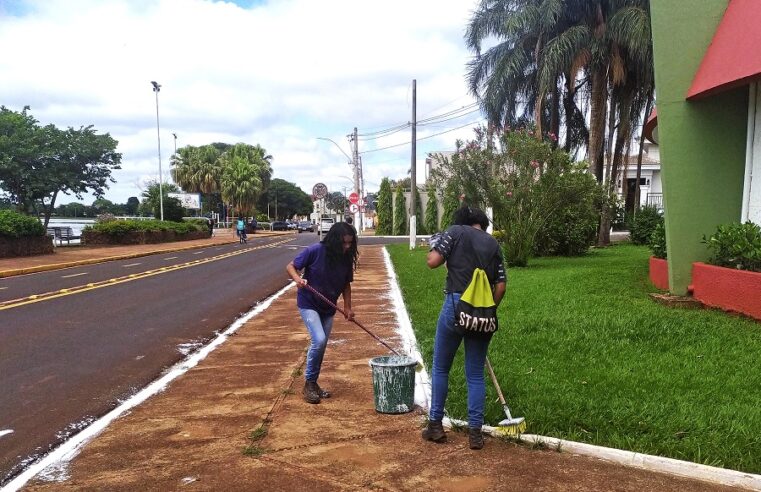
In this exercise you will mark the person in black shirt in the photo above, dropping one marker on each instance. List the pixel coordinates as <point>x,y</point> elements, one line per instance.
<point>464,247</point>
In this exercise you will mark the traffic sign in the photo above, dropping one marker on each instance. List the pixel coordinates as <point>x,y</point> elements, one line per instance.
<point>354,197</point>
<point>319,190</point>
<point>361,202</point>
<point>354,208</point>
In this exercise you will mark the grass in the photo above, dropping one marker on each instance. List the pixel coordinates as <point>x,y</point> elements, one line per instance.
<point>584,354</point>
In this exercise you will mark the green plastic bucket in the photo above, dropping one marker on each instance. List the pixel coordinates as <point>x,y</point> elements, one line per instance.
<point>394,383</point>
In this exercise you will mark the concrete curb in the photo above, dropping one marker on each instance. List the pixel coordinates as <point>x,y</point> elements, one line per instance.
<point>92,261</point>
<point>659,464</point>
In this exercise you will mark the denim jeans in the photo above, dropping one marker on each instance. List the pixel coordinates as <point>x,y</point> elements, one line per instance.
<point>445,347</point>
<point>319,326</point>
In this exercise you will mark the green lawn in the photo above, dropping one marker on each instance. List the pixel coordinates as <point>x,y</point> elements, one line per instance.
<point>584,354</point>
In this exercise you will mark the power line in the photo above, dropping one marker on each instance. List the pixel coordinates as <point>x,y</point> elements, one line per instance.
<point>403,126</point>
<point>444,117</point>
<point>423,138</point>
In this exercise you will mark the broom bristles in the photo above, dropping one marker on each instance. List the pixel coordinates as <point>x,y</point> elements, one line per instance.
<point>511,429</point>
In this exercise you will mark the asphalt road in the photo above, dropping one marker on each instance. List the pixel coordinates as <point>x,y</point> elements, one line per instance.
<point>77,341</point>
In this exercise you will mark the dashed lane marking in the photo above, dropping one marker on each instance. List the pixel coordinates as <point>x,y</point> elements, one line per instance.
<point>131,265</point>
<point>172,258</point>
<point>128,278</point>
<point>74,275</point>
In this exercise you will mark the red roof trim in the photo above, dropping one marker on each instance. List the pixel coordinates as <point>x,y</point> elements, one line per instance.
<point>733,58</point>
<point>650,124</point>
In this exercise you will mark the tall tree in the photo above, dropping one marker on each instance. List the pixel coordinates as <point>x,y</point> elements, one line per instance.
<point>150,205</point>
<point>385,209</point>
<point>431,210</point>
<point>400,212</point>
<point>37,164</point>
<point>132,205</point>
<point>240,184</point>
<point>285,199</point>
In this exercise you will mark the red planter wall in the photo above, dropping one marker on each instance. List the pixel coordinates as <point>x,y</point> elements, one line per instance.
<point>659,272</point>
<point>728,289</point>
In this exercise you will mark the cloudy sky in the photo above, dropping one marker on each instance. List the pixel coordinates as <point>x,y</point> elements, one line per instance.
<point>280,73</point>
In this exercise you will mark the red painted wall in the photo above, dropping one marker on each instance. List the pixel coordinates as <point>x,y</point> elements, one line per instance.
<point>733,58</point>
<point>659,273</point>
<point>727,288</point>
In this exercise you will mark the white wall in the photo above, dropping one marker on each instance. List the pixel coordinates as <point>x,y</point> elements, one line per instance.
<point>752,188</point>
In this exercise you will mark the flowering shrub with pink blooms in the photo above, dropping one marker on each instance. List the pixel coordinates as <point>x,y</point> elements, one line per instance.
<point>525,179</point>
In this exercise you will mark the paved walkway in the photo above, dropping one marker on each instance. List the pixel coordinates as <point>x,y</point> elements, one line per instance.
<point>236,421</point>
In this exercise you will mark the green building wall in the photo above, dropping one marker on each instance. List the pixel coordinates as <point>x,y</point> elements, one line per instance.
<point>702,143</point>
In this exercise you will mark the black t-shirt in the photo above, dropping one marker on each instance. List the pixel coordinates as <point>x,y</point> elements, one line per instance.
<point>466,248</point>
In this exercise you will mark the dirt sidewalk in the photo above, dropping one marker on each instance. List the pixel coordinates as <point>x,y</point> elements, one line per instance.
<point>201,433</point>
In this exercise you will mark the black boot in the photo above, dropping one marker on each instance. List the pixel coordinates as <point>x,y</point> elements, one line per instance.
<point>434,431</point>
<point>323,393</point>
<point>311,392</point>
<point>476,438</point>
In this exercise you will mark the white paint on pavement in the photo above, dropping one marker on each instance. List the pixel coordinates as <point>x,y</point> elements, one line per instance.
<point>172,258</point>
<point>5,431</point>
<point>74,275</point>
<point>132,264</point>
<point>59,458</point>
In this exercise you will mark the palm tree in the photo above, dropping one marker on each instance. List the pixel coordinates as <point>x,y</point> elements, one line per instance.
<point>240,184</point>
<point>197,169</point>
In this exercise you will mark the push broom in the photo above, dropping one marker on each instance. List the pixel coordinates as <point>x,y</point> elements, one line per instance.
<point>511,426</point>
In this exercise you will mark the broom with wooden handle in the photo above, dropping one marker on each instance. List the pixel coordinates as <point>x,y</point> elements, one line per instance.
<point>511,426</point>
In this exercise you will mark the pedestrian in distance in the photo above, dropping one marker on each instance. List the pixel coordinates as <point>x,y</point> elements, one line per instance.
<point>464,247</point>
<point>328,267</point>
<point>240,227</point>
<point>349,220</point>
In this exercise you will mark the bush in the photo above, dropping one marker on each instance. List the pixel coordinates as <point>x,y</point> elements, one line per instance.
<point>657,241</point>
<point>736,246</point>
<point>642,225</point>
<point>121,227</point>
<point>572,229</point>
<point>14,224</point>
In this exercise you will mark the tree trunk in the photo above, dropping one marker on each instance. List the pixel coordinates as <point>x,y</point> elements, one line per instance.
<point>48,210</point>
<point>648,109</point>
<point>598,112</point>
<point>555,115</point>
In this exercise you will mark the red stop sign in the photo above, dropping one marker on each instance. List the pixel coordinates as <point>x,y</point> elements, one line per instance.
<point>354,197</point>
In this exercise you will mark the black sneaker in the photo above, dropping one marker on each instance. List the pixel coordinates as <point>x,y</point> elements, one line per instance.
<point>434,431</point>
<point>311,392</point>
<point>475,438</point>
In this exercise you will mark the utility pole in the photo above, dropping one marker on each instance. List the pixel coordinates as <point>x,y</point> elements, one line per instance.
<point>413,159</point>
<point>355,164</point>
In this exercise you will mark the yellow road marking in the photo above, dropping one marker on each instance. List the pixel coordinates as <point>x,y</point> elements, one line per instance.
<point>23,301</point>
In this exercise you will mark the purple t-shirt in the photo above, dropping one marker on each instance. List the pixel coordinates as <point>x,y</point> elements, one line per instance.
<point>328,280</point>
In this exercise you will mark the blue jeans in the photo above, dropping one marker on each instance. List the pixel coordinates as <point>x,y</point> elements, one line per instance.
<point>319,326</point>
<point>445,347</point>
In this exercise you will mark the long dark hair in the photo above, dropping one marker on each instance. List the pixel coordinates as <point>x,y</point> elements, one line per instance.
<point>469,216</point>
<point>334,246</point>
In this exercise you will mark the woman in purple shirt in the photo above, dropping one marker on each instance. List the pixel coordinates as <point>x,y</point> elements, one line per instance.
<point>328,268</point>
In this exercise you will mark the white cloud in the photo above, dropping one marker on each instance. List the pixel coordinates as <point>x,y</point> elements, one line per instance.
<point>278,74</point>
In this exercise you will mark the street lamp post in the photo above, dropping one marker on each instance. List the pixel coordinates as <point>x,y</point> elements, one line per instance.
<point>156,89</point>
<point>175,144</point>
